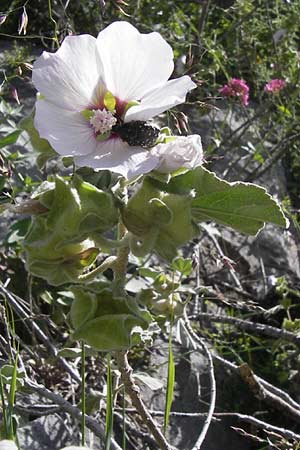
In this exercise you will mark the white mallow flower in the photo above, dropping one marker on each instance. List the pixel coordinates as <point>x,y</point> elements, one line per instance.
<point>98,94</point>
<point>183,151</point>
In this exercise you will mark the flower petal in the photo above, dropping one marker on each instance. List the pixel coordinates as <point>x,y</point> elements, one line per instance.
<point>117,156</point>
<point>70,77</point>
<point>134,63</point>
<point>67,131</point>
<point>7,445</point>
<point>170,94</point>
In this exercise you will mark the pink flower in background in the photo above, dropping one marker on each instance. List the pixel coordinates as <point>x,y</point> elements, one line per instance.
<point>236,88</point>
<point>274,86</point>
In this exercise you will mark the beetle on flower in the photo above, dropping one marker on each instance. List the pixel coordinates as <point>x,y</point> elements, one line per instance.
<point>96,94</point>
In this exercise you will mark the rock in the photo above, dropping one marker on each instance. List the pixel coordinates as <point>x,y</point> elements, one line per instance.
<point>50,432</point>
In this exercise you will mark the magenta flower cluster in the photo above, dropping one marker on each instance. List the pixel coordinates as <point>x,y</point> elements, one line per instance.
<point>274,86</point>
<point>236,88</point>
<point>239,88</point>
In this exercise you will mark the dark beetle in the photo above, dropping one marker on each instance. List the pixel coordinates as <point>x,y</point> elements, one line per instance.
<point>137,133</point>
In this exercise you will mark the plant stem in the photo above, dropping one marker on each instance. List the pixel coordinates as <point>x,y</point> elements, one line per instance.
<point>120,263</point>
<point>120,270</point>
<point>107,264</point>
<point>134,392</point>
<point>109,405</point>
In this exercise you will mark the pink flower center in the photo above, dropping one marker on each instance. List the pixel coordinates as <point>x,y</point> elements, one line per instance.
<point>102,121</point>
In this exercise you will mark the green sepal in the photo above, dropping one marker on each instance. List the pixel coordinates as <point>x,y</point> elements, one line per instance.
<point>58,245</point>
<point>165,131</point>
<point>159,218</point>
<point>146,210</point>
<point>102,137</point>
<point>78,208</point>
<point>87,114</point>
<point>105,322</point>
<point>109,101</point>
<point>62,270</point>
<point>129,105</point>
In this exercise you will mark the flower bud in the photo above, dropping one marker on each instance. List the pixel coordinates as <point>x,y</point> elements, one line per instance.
<point>23,22</point>
<point>182,152</point>
<point>147,297</point>
<point>27,65</point>
<point>14,94</point>
<point>2,19</point>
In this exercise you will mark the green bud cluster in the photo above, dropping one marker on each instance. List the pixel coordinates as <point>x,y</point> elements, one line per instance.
<point>158,220</point>
<point>59,244</point>
<point>164,214</point>
<point>162,299</point>
<point>104,321</point>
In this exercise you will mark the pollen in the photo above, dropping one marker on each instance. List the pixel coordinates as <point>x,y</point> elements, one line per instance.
<point>102,121</point>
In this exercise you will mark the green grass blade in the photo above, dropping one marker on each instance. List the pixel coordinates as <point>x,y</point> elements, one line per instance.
<point>11,398</point>
<point>109,406</point>
<point>4,408</point>
<point>170,383</point>
<point>83,394</point>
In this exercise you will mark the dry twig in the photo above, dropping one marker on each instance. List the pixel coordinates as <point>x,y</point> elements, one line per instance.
<point>92,424</point>
<point>15,302</point>
<point>257,328</point>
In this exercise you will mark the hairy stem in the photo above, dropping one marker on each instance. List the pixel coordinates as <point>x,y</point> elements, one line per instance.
<point>120,270</point>
<point>107,264</point>
<point>120,264</point>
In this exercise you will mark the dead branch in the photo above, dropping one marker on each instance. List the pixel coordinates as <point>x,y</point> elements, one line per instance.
<point>15,302</point>
<point>95,426</point>
<point>257,328</point>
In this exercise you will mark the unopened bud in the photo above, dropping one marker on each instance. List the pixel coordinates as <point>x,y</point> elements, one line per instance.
<point>27,66</point>
<point>27,207</point>
<point>2,19</point>
<point>190,58</point>
<point>181,152</point>
<point>183,121</point>
<point>23,22</point>
<point>14,94</point>
<point>177,124</point>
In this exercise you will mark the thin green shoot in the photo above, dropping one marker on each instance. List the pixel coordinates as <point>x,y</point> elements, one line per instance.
<point>11,399</point>
<point>83,405</point>
<point>109,406</point>
<point>4,406</point>
<point>170,376</point>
